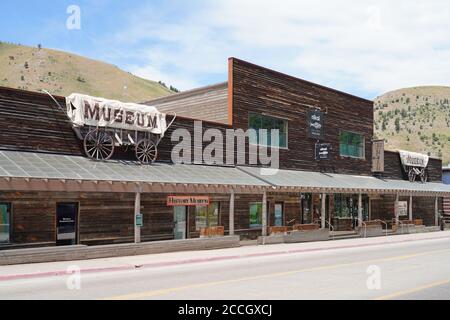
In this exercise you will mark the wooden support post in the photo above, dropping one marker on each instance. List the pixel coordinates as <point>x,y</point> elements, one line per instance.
<point>370,209</point>
<point>396,209</point>
<point>231,219</point>
<point>264,214</point>
<point>360,210</point>
<point>410,208</point>
<point>137,211</point>
<point>322,213</point>
<point>436,211</point>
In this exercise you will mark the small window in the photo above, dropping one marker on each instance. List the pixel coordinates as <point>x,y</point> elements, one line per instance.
<point>258,122</point>
<point>5,223</point>
<point>207,216</point>
<point>351,145</point>
<point>256,215</point>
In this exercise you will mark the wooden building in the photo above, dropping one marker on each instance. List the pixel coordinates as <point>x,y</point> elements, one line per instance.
<point>51,194</point>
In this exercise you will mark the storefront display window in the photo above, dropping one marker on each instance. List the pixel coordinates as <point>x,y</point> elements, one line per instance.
<point>207,216</point>
<point>256,215</point>
<point>5,222</point>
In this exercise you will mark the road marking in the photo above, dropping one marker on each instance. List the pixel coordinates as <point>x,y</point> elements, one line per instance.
<point>413,290</point>
<point>148,294</point>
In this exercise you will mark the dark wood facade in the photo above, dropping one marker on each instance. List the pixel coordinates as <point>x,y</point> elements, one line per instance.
<point>260,90</point>
<point>33,122</point>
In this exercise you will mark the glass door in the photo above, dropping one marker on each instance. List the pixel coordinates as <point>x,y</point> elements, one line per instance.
<point>179,218</point>
<point>278,214</point>
<point>66,224</point>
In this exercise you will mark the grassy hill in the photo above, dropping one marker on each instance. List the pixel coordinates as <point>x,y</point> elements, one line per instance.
<point>63,73</point>
<point>416,119</point>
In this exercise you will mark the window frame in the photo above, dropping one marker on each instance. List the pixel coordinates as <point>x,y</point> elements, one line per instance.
<point>207,220</point>
<point>286,122</point>
<point>363,145</point>
<point>254,226</point>
<point>10,225</point>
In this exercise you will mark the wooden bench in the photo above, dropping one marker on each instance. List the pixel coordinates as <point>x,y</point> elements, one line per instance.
<point>279,230</point>
<point>305,227</point>
<point>212,232</point>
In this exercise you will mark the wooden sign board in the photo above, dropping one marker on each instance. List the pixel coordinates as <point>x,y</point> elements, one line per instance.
<point>402,208</point>
<point>378,156</point>
<point>174,201</point>
<point>316,124</point>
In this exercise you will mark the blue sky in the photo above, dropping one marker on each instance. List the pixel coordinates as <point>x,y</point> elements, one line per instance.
<point>362,47</point>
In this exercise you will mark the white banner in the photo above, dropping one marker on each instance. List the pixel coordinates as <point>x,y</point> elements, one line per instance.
<point>86,110</point>
<point>413,159</point>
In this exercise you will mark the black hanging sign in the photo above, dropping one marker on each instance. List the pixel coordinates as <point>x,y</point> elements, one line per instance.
<point>316,124</point>
<point>323,151</point>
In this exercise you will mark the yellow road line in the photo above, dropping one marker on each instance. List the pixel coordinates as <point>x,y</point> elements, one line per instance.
<point>148,294</point>
<point>413,290</point>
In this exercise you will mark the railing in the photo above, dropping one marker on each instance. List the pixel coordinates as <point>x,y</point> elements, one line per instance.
<point>398,221</point>
<point>385,223</point>
<point>364,224</point>
<point>331,228</point>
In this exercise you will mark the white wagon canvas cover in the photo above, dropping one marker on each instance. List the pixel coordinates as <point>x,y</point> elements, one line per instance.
<point>92,111</point>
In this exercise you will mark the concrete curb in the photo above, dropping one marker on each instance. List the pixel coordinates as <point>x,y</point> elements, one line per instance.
<point>201,260</point>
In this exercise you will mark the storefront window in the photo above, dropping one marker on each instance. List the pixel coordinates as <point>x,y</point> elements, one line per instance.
<point>351,145</point>
<point>5,222</point>
<point>346,206</point>
<point>259,121</point>
<point>256,215</point>
<point>207,216</point>
<point>278,214</point>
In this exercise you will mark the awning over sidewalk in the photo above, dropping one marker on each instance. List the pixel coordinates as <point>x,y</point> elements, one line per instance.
<point>53,172</point>
<point>39,166</point>
<point>323,182</point>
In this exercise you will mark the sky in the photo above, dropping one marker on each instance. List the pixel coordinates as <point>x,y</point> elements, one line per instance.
<point>362,47</point>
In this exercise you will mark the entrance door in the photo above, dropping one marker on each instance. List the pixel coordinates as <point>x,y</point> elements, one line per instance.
<point>66,224</point>
<point>179,218</point>
<point>278,214</point>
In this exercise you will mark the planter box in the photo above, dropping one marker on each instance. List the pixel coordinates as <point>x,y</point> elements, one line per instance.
<point>72,253</point>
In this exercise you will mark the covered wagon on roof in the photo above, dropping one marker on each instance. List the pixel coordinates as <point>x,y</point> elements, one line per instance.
<point>104,124</point>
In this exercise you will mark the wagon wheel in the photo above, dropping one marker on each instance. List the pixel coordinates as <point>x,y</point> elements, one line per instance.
<point>146,151</point>
<point>411,175</point>
<point>423,176</point>
<point>99,145</point>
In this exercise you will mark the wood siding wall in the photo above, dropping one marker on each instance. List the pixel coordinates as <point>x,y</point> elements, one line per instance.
<point>209,103</point>
<point>394,169</point>
<point>260,90</point>
<point>32,121</point>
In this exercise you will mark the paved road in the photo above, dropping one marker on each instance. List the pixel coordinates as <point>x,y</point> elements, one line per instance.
<point>413,270</point>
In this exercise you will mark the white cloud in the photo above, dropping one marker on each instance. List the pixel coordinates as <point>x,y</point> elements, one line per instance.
<point>364,47</point>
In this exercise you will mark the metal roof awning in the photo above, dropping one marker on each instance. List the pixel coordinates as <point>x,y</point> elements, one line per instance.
<point>117,176</point>
<point>343,183</point>
<point>26,171</point>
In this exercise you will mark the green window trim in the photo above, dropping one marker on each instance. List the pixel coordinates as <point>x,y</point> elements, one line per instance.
<point>259,122</point>
<point>351,145</point>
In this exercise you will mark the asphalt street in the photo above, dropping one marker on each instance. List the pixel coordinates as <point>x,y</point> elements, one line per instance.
<point>410,270</point>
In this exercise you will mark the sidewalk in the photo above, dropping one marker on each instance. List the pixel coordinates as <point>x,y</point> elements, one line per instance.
<point>188,257</point>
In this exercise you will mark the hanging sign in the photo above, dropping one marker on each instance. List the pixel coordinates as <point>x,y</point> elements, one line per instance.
<point>139,220</point>
<point>378,156</point>
<point>174,201</point>
<point>323,151</point>
<point>414,159</point>
<point>316,124</point>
